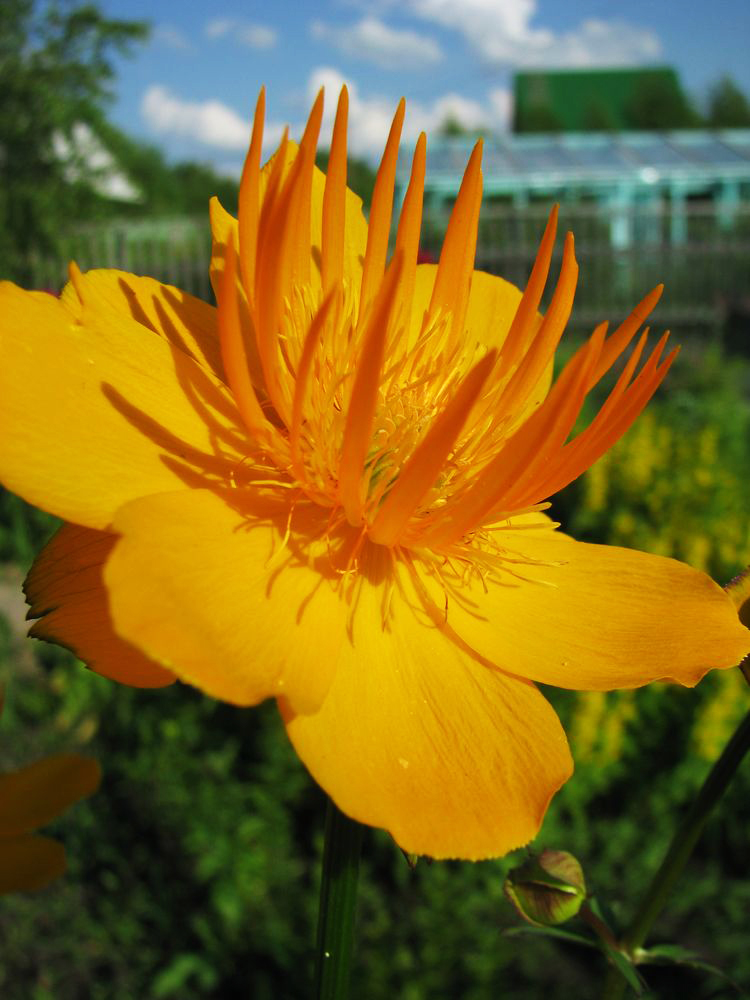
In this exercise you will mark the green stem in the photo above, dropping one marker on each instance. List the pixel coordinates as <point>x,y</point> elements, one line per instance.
<point>680,850</point>
<point>338,902</point>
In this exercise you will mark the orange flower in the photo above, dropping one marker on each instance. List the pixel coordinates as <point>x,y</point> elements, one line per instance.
<point>330,490</point>
<point>30,798</point>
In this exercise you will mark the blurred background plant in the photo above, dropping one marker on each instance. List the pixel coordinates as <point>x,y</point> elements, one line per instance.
<point>194,872</point>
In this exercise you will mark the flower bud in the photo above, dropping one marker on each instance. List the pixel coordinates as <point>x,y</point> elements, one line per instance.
<point>547,889</point>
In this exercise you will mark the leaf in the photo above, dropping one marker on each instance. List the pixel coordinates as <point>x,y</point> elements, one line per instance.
<point>554,932</point>
<point>625,967</point>
<point>675,954</point>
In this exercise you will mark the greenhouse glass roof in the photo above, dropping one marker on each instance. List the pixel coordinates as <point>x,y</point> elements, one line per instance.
<point>691,159</point>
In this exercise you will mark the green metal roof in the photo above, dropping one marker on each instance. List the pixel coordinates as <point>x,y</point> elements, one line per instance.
<point>579,100</point>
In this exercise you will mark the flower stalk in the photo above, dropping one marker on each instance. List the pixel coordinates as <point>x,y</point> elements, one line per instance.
<point>338,902</point>
<point>680,849</point>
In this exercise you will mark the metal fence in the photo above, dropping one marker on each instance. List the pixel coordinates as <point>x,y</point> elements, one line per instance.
<point>176,251</point>
<point>707,275</point>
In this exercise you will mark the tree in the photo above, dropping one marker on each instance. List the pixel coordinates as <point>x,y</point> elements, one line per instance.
<point>55,72</point>
<point>166,189</point>
<point>536,117</point>
<point>727,106</point>
<point>659,102</point>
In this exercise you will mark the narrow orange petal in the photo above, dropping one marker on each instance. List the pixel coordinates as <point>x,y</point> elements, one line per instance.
<point>235,359</point>
<point>548,426</point>
<point>364,395</point>
<point>334,199</point>
<point>303,242</point>
<point>380,213</point>
<point>304,369</point>
<point>274,280</point>
<point>275,176</point>
<point>622,336</point>
<point>532,296</point>
<point>409,226</point>
<point>542,350</point>
<point>423,467</point>
<point>609,424</point>
<point>533,478</point>
<point>531,446</point>
<point>453,280</point>
<point>249,201</point>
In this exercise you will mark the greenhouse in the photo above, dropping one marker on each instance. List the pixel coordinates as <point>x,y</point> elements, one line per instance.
<point>625,173</point>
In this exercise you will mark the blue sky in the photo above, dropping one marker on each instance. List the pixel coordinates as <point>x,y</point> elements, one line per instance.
<point>192,87</point>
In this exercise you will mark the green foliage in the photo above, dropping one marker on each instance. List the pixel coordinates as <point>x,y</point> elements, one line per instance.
<point>55,72</point>
<point>728,107</point>
<point>166,189</point>
<point>659,102</point>
<point>194,872</point>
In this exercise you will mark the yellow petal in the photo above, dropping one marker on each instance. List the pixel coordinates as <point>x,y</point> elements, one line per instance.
<point>206,585</point>
<point>183,320</point>
<point>591,617</point>
<point>93,416</point>
<point>29,863</point>
<point>453,758</point>
<point>36,794</point>
<point>66,592</point>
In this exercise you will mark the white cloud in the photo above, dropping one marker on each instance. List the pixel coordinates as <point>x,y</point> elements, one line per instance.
<point>501,33</point>
<point>370,117</point>
<point>172,37</point>
<point>216,125</point>
<point>501,107</point>
<point>209,122</point>
<point>373,41</point>
<point>254,36</point>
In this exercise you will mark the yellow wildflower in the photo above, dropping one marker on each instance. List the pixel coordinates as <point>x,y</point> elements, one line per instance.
<point>330,490</point>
